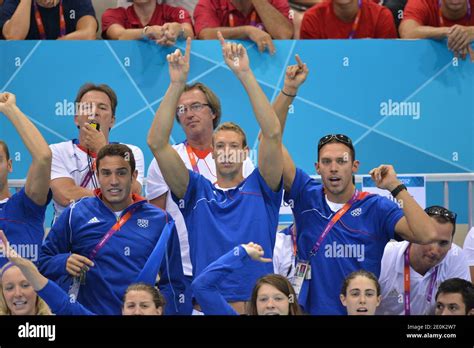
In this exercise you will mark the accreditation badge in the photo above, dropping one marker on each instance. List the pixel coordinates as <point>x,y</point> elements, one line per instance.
<point>302,272</point>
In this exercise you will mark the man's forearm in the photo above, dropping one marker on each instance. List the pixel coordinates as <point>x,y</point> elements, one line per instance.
<point>84,34</point>
<point>281,106</point>
<point>276,24</point>
<point>423,32</point>
<point>18,26</point>
<point>31,273</point>
<point>66,196</point>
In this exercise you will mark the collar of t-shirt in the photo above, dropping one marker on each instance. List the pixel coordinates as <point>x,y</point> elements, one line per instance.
<point>333,206</point>
<point>224,188</point>
<point>135,21</point>
<point>118,213</point>
<point>3,201</point>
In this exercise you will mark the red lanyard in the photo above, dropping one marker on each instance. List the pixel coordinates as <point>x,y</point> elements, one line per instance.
<point>111,232</point>
<point>39,21</point>
<point>406,281</point>
<point>357,196</point>
<point>192,157</point>
<point>253,19</point>
<point>293,239</point>
<point>468,12</point>
<point>355,25</point>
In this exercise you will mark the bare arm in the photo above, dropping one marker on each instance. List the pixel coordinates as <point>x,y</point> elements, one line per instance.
<point>172,166</point>
<point>17,27</point>
<point>269,158</point>
<point>86,29</point>
<point>65,191</point>
<point>411,29</point>
<point>276,24</point>
<point>39,174</point>
<point>416,226</point>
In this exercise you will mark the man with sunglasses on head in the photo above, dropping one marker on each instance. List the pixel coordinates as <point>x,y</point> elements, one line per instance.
<point>339,229</point>
<point>411,273</point>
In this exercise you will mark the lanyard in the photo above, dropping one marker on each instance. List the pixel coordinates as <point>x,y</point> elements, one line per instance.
<point>253,19</point>
<point>39,21</point>
<point>192,157</point>
<point>90,173</point>
<point>112,231</point>
<point>468,12</point>
<point>357,196</point>
<point>406,281</point>
<point>355,25</point>
<point>293,239</point>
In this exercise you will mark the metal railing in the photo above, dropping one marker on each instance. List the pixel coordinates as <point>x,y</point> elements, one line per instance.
<point>445,178</point>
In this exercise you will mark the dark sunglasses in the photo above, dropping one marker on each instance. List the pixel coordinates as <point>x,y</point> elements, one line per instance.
<point>436,210</point>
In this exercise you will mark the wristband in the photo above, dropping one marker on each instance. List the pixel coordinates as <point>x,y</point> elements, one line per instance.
<point>144,30</point>
<point>288,95</point>
<point>397,190</point>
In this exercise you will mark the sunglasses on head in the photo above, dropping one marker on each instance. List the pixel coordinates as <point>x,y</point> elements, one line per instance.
<point>443,212</point>
<point>340,138</point>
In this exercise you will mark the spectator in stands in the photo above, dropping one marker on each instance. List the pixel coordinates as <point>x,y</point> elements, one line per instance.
<point>22,214</point>
<point>439,19</point>
<point>256,20</point>
<point>360,293</point>
<point>188,5</point>
<point>412,272</point>
<point>396,7</point>
<point>271,295</point>
<point>348,19</point>
<point>21,281</point>
<point>48,20</point>
<point>83,242</point>
<point>298,9</point>
<point>72,173</point>
<point>455,297</point>
<point>468,249</point>
<point>145,18</point>
<point>17,295</point>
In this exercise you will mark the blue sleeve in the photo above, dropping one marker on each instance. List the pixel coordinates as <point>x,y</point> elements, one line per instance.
<point>172,283</point>
<point>206,286</point>
<point>6,12</point>
<point>59,302</point>
<point>389,213</point>
<point>56,248</point>
<point>195,185</point>
<point>27,209</point>
<point>270,196</point>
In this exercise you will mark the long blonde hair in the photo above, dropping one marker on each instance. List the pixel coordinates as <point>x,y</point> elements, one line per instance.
<point>41,307</point>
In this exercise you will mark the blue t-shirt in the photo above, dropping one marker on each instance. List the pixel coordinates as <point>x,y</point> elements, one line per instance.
<point>22,220</point>
<point>73,11</point>
<point>219,220</point>
<point>119,262</point>
<point>356,241</point>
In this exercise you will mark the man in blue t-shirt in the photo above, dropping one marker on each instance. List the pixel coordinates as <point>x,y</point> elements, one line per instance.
<point>338,229</point>
<point>233,210</point>
<point>22,214</point>
<point>48,20</point>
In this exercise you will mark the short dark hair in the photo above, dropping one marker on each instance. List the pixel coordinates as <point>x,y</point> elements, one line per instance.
<point>212,100</point>
<point>281,284</point>
<point>458,286</point>
<point>5,149</point>
<point>117,150</point>
<point>100,88</point>
<point>362,273</point>
<point>337,138</point>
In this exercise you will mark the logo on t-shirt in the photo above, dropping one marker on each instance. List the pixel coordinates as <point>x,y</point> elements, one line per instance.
<point>143,223</point>
<point>356,212</point>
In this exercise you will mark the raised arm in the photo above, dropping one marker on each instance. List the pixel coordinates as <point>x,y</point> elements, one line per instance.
<point>270,163</point>
<point>295,76</point>
<point>416,226</point>
<point>39,174</point>
<point>172,166</point>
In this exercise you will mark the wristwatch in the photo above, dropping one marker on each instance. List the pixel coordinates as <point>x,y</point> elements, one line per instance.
<point>144,30</point>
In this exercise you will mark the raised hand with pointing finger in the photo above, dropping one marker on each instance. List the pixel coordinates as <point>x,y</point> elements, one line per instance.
<point>235,56</point>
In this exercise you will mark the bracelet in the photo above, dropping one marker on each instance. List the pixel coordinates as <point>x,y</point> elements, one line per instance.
<point>288,95</point>
<point>397,190</point>
<point>144,30</point>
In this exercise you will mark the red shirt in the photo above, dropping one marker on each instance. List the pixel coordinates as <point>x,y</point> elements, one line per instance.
<point>320,22</point>
<point>216,13</point>
<point>426,12</point>
<point>128,18</point>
